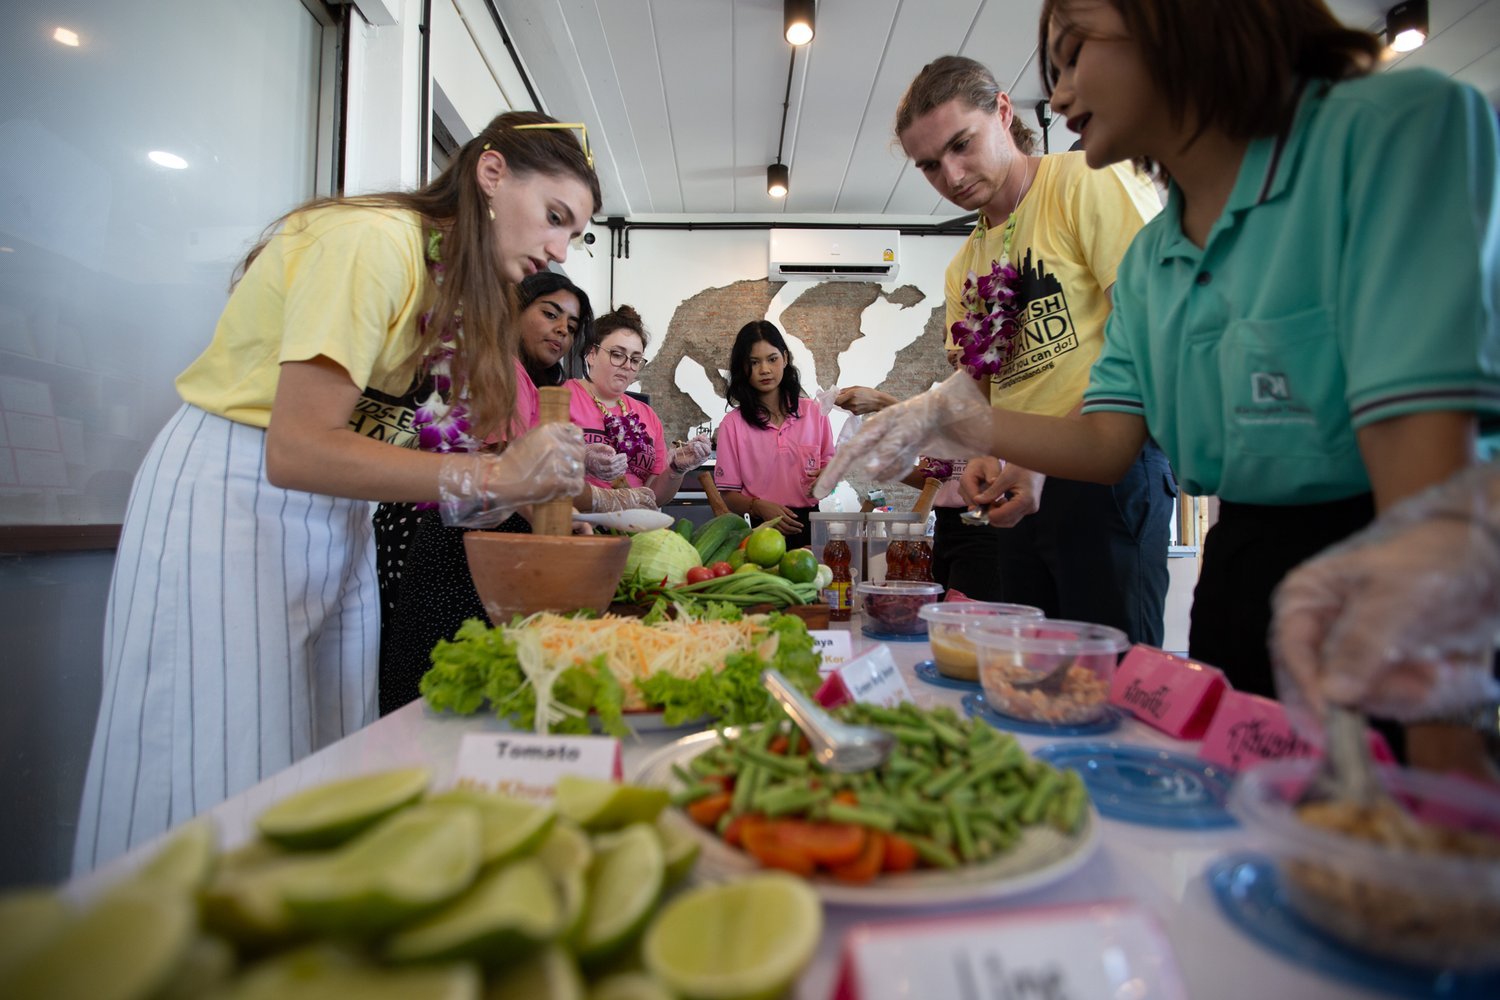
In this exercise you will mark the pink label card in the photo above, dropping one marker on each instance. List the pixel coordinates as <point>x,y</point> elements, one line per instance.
<point>527,765</point>
<point>1248,730</point>
<point>1171,693</point>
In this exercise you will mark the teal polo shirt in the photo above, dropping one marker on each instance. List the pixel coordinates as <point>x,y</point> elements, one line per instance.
<point>1354,276</point>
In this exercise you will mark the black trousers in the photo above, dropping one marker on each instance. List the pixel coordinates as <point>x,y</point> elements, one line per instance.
<point>800,539</point>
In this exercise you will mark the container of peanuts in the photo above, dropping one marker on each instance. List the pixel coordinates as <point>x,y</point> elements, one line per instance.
<point>1047,670</point>
<point>953,653</point>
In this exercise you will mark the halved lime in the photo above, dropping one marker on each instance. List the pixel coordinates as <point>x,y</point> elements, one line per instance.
<point>413,862</point>
<point>552,974</point>
<point>743,940</point>
<point>187,858</point>
<point>124,947</point>
<point>607,805</point>
<point>629,986</point>
<point>330,814</point>
<point>624,883</point>
<point>507,913</point>
<point>325,972</point>
<point>509,826</point>
<point>679,844</point>
<point>28,918</point>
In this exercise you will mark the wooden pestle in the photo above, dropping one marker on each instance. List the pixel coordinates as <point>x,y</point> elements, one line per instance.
<point>554,517</point>
<point>715,498</point>
<point>923,506</point>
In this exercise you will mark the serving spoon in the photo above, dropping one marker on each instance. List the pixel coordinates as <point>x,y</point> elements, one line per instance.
<point>632,520</point>
<point>1048,682</point>
<point>836,745</point>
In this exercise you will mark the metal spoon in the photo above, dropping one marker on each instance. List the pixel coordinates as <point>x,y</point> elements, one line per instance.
<point>1346,774</point>
<point>836,745</point>
<point>1050,683</point>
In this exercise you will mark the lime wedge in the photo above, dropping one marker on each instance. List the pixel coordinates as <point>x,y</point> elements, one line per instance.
<point>679,845</point>
<point>624,883</point>
<point>28,919</point>
<point>567,854</point>
<point>207,965</point>
<point>324,972</point>
<point>507,913</point>
<point>744,940</point>
<point>414,861</point>
<point>629,986</point>
<point>510,827</point>
<point>242,901</point>
<point>550,975</point>
<point>330,814</point>
<point>607,805</point>
<point>186,859</point>
<point>126,946</point>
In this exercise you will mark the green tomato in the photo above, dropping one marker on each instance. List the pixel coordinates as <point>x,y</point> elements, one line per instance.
<point>749,567</point>
<point>765,547</point>
<point>799,566</point>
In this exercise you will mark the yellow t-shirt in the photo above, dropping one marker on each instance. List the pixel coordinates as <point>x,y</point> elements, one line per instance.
<point>1072,228</point>
<point>343,282</point>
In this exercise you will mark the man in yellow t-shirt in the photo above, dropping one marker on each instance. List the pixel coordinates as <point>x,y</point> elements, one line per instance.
<point>1076,550</point>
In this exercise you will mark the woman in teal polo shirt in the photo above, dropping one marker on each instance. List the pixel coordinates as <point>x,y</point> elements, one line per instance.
<point>1308,329</point>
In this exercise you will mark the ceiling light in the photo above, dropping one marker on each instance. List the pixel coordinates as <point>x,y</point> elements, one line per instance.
<point>778,179</point>
<point>799,21</point>
<point>169,160</point>
<point>66,37</point>
<point>1406,25</point>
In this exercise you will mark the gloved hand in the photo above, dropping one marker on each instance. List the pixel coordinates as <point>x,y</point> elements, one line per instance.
<point>626,499</point>
<point>602,462</point>
<point>951,420</point>
<point>691,454</point>
<point>479,490</point>
<point>1399,620</point>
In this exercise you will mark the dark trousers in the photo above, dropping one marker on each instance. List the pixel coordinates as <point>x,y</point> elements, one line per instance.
<point>802,538</point>
<point>1246,554</point>
<point>1096,553</point>
<point>964,556</point>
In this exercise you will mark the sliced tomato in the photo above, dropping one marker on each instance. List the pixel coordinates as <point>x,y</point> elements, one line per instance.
<point>828,844</point>
<point>733,834</point>
<point>707,810</point>
<point>765,843</point>
<point>867,865</point>
<point>900,855</point>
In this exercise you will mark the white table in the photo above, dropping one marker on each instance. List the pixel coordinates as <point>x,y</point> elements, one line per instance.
<point>1159,869</point>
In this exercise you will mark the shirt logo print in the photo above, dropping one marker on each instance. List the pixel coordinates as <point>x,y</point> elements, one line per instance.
<point>1269,387</point>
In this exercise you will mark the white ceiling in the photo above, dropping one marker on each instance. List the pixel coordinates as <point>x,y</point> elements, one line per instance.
<point>683,98</point>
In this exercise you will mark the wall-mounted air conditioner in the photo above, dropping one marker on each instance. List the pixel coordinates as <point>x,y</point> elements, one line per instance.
<point>834,254</point>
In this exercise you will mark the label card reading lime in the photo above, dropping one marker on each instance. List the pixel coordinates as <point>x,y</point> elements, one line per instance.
<point>1093,950</point>
<point>834,645</point>
<point>527,765</point>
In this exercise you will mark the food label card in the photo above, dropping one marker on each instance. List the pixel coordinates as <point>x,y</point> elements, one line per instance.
<point>1092,950</point>
<point>834,646</point>
<point>527,765</point>
<point>1248,729</point>
<point>1176,695</point>
<point>872,678</point>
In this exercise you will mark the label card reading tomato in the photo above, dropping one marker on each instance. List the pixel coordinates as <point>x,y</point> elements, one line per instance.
<point>835,647</point>
<point>1173,694</point>
<point>872,678</point>
<point>1088,950</point>
<point>527,765</point>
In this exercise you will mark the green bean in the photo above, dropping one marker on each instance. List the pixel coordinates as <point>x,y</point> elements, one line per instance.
<point>1075,800</point>
<point>788,798</point>
<point>932,852</point>
<point>1031,812</point>
<point>961,832</point>
<point>791,766</point>
<point>947,735</point>
<point>943,782</point>
<point>744,788</point>
<point>843,813</point>
<point>913,736</point>
<point>692,793</point>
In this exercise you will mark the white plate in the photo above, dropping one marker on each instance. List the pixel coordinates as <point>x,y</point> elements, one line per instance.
<point>1042,855</point>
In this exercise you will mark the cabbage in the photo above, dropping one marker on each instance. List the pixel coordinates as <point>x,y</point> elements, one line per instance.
<point>661,553</point>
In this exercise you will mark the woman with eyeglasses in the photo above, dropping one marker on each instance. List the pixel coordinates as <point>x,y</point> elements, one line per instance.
<point>242,628</point>
<point>613,358</point>
<point>426,591</point>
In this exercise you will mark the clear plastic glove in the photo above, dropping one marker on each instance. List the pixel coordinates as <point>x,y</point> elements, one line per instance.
<point>691,454</point>
<point>602,462</point>
<point>861,399</point>
<point>634,498</point>
<point>951,420</point>
<point>479,490</point>
<point>1399,620</point>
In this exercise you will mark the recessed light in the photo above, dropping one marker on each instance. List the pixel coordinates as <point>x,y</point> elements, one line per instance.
<point>65,36</point>
<point>7,249</point>
<point>170,160</point>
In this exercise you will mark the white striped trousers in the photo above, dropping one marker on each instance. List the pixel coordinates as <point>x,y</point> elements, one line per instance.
<point>241,634</point>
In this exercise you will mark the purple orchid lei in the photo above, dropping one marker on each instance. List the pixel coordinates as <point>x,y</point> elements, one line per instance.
<point>626,432</point>
<point>442,419</point>
<point>991,328</point>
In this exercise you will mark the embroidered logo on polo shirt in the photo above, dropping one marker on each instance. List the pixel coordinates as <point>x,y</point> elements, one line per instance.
<point>1269,387</point>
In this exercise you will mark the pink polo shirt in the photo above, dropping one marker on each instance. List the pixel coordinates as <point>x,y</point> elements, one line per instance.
<point>585,412</point>
<point>527,411</point>
<point>777,463</point>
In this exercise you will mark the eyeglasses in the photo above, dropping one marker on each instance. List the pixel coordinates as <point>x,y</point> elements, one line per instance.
<point>621,359</point>
<point>583,135</point>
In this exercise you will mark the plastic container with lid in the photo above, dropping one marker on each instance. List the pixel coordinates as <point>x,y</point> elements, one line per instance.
<point>953,653</point>
<point>878,538</point>
<point>1012,650</point>
<point>894,607</point>
<point>1422,889</point>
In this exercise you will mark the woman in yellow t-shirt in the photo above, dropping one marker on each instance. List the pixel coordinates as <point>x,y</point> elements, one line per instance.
<point>242,629</point>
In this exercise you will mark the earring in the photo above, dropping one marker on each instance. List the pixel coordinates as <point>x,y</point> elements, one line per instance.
<point>491,209</point>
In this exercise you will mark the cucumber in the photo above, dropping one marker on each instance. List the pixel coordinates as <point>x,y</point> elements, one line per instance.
<point>684,527</point>
<point>719,536</point>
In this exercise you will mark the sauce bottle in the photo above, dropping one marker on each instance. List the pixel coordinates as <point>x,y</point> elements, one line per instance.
<point>918,556</point>
<point>836,556</point>
<point>897,554</point>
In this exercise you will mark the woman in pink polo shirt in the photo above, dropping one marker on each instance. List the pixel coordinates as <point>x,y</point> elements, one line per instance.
<point>775,442</point>
<point>613,358</point>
